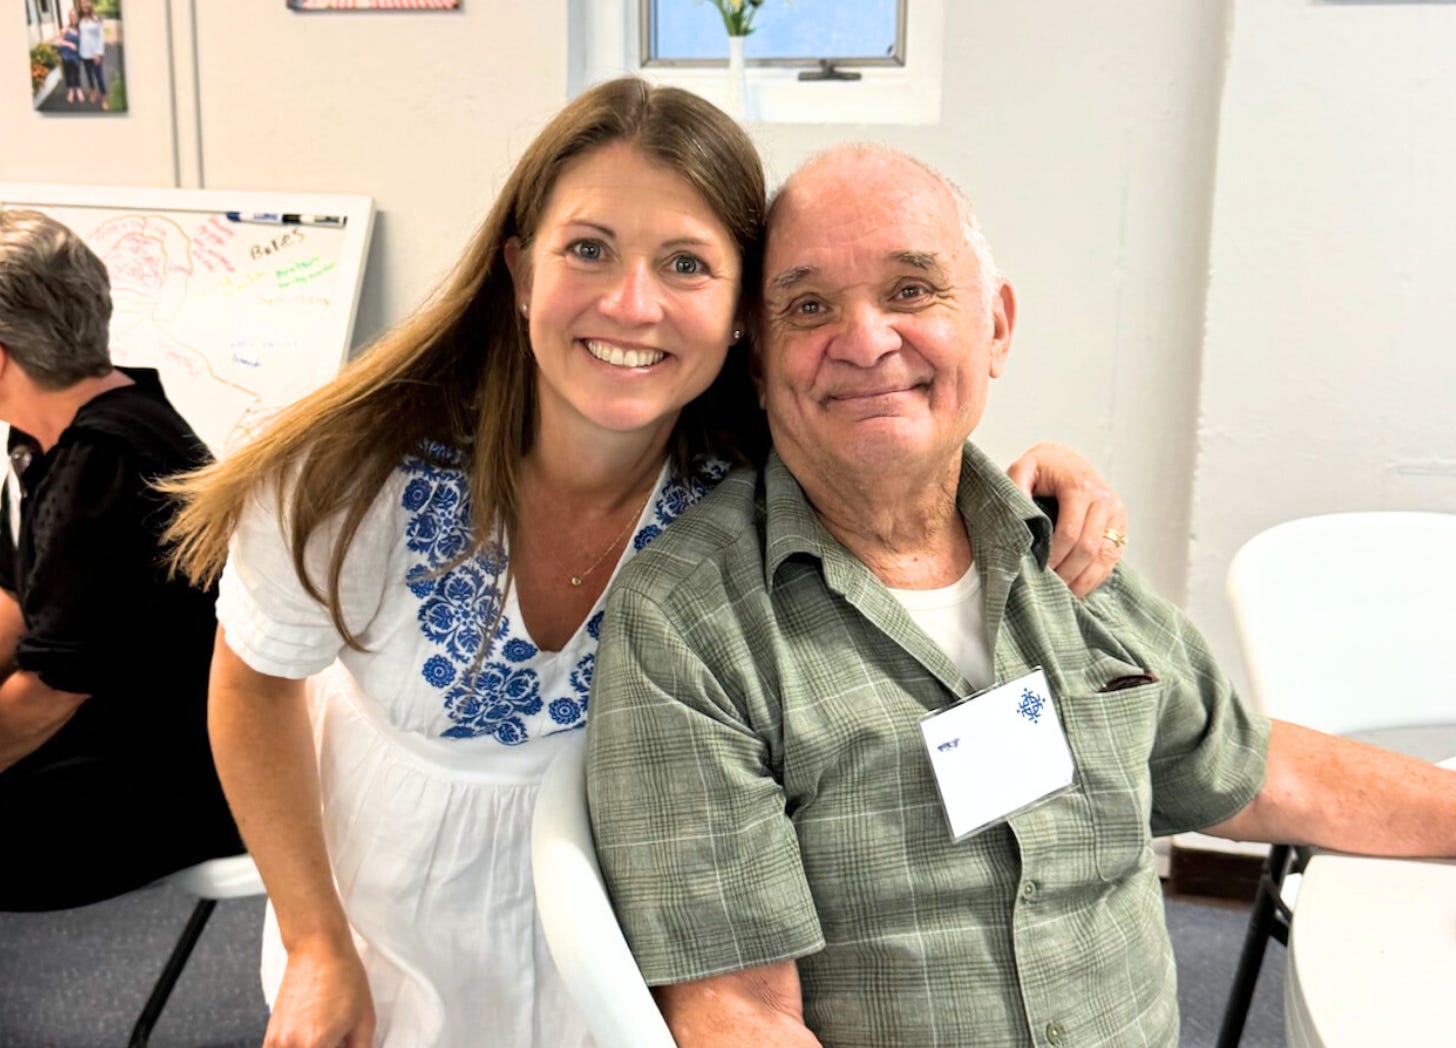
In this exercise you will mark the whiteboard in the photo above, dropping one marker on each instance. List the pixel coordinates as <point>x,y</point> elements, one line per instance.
<point>241,318</point>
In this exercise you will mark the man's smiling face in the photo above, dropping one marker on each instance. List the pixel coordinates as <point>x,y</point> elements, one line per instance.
<point>880,337</point>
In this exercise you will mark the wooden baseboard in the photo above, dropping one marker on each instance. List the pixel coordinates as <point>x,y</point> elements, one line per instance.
<point>1214,875</point>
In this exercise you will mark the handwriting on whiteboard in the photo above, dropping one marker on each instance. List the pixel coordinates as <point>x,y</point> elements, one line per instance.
<point>239,321</point>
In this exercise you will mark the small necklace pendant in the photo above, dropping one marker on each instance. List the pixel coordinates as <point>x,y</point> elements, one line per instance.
<point>576,580</point>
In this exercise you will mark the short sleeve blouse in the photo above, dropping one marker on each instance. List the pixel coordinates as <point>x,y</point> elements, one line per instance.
<point>420,612</point>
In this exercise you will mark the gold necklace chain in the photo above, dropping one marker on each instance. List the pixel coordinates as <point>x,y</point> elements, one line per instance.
<point>577,580</point>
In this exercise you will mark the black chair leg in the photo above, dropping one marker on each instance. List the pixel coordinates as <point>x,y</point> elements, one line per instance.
<point>170,973</point>
<point>1264,922</point>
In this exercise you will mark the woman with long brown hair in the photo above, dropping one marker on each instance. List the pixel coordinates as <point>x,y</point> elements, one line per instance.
<point>430,537</point>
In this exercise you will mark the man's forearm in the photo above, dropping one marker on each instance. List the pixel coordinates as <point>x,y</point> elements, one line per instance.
<point>30,713</point>
<point>1331,792</point>
<point>756,1006</point>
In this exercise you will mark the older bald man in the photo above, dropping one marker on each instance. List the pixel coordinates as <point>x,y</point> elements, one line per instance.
<point>809,837</point>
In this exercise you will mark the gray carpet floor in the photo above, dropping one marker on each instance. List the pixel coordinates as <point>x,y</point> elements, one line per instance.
<point>78,978</point>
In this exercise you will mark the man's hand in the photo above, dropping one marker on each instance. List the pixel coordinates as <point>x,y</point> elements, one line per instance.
<point>323,1001</point>
<point>1091,519</point>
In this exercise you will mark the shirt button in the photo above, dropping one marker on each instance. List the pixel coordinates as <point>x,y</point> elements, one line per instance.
<point>1028,891</point>
<point>1054,1033</point>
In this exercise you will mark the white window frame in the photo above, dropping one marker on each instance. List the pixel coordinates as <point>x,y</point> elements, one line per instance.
<point>605,41</point>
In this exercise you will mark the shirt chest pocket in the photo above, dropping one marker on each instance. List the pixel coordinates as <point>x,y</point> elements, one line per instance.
<point>1112,734</point>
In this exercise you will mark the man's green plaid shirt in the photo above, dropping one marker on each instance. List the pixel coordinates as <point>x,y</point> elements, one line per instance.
<point>760,789</point>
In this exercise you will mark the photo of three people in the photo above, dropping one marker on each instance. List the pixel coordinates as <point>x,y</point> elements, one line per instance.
<point>76,54</point>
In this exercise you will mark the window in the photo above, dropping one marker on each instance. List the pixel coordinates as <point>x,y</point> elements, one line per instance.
<point>801,33</point>
<point>683,42</point>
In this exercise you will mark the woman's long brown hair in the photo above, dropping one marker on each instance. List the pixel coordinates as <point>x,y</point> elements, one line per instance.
<point>460,373</point>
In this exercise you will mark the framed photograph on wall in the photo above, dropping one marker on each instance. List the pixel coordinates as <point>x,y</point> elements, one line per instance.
<point>373,5</point>
<point>76,56</point>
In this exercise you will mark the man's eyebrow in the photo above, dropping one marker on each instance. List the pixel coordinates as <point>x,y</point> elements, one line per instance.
<point>789,277</point>
<point>927,261</point>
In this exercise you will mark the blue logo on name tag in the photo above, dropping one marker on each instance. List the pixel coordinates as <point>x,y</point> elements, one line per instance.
<point>952,744</point>
<point>1030,705</point>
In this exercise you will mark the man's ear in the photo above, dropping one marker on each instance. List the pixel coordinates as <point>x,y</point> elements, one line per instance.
<point>1003,317</point>
<point>520,267</point>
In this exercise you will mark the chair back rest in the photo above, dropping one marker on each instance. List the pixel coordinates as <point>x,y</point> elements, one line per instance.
<point>581,929</point>
<point>1345,620</point>
<point>231,877</point>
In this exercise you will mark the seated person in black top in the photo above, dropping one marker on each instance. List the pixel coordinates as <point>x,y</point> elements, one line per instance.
<point>106,779</point>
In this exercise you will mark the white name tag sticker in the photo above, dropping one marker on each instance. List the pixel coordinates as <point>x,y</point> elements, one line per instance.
<point>998,753</point>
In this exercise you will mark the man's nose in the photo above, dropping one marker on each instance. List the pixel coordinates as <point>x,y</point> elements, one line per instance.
<point>867,334</point>
<point>635,296</point>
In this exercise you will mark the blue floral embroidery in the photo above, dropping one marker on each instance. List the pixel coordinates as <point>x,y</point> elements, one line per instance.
<point>564,711</point>
<point>493,701</point>
<point>676,498</point>
<point>456,609</point>
<point>646,535</point>
<point>496,693</point>
<point>511,732</point>
<point>581,676</point>
<point>419,581</point>
<point>416,494</point>
<point>438,671</point>
<point>517,650</point>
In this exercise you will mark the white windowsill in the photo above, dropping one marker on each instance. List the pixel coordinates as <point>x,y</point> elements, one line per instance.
<point>604,44</point>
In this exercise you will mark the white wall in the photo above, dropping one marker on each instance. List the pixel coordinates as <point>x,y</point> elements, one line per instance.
<point>425,112</point>
<point>1085,132</point>
<point>1330,362</point>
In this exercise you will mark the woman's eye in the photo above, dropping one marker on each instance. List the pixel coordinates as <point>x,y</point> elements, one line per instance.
<point>808,307</point>
<point>910,292</point>
<point>587,250</point>
<point>688,265</point>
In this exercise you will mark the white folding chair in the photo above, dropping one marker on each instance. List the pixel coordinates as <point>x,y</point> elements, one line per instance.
<point>581,928</point>
<point>1342,620</point>
<point>233,877</point>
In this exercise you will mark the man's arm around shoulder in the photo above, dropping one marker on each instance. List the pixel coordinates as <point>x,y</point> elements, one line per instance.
<point>759,1006</point>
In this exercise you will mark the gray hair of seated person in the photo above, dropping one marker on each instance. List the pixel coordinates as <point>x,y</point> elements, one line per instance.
<point>970,225</point>
<point>55,301</point>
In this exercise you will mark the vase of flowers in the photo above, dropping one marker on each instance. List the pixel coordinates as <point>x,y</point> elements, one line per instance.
<point>738,21</point>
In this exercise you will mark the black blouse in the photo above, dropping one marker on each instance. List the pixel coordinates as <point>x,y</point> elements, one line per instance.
<point>102,618</point>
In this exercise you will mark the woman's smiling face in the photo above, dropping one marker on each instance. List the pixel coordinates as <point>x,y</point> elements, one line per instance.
<point>630,286</point>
